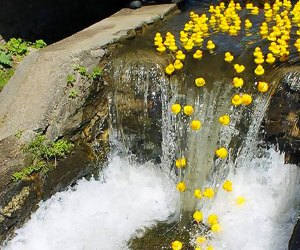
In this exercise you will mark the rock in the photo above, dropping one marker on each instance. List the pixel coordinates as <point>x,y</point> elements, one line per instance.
<point>135,5</point>
<point>37,100</point>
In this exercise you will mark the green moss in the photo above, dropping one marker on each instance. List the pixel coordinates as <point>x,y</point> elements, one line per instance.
<point>5,75</point>
<point>43,152</point>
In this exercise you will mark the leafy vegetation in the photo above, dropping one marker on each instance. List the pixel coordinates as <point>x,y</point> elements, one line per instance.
<point>43,152</point>
<point>96,73</point>
<point>70,79</point>
<point>73,93</point>
<point>11,53</point>
<point>81,70</point>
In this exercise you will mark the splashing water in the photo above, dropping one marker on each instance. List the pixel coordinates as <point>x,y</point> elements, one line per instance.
<point>100,214</point>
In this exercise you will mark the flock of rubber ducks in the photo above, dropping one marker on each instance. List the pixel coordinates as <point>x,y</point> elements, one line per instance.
<point>275,29</point>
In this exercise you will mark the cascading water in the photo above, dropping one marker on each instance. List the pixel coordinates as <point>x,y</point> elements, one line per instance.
<point>108,213</point>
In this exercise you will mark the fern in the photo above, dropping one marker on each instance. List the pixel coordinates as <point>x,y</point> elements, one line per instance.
<point>5,59</point>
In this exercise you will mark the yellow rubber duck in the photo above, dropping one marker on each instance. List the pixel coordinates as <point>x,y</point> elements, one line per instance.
<point>216,228</point>
<point>176,245</point>
<point>232,30</point>
<point>161,48</point>
<point>210,45</point>
<point>188,110</point>
<point>224,120</point>
<point>240,200</point>
<point>227,185</point>
<point>200,81</point>
<point>257,51</point>
<point>170,69</point>
<point>180,55</point>
<point>175,108</point>
<point>247,99</point>
<point>239,68</point>
<point>248,24</point>
<point>178,65</point>
<point>259,58</point>
<point>236,100</point>
<point>259,70</point>
<point>189,45</point>
<point>228,57</point>
<point>270,58</point>
<point>181,186</point>
<point>197,193</point>
<point>262,87</point>
<point>195,125</point>
<point>198,216</point>
<point>200,240</point>
<point>208,193</point>
<point>210,248</point>
<point>173,46</point>
<point>222,152</point>
<point>255,11</point>
<point>197,54</point>
<point>238,82</point>
<point>212,219</point>
<point>180,163</point>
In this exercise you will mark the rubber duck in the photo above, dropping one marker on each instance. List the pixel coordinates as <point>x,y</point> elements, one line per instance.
<point>199,81</point>
<point>262,87</point>
<point>222,152</point>
<point>158,39</point>
<point>178,65</point>
<point>212,219</point>
<point>197,193</point>
<point>161,48</point>
<point>270,58</point>
<point>198,216</point>
<point>170,69</point>
<point>195,125</point>
<point>272,37</point>
<point>238,6</point>
<point>247,99</point>
<point>227,185</point>
<point>210,248</point>
<point>259,58</point>
<point>240,200</point>
<point>180,55</point>
<point>232,30</point>
<point>180,163</point>
<point>197,54</point>
<point>248,24</point>
<point>249,6</point>
<point>228,57</point>
<point>200,240</point>
<point>176,245</point>
<point>239,68</point>
<point>255,11</point>
<point>210,45</point>
<point>189,45</point>
<point>172,46</point>
<point>224,120</point>
<point>181,186</point>
<point>238,82</point>
<point>236,100</point>
<point>259,70</point>
<point>175,108</point>
<point>188,110</point>
<point>216,228</point>
<point>257,51</point>
<point>208,193</point>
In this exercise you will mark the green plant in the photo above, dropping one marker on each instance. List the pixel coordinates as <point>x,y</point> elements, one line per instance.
<point>39,44</point>
<point>19,134</point>
<point>5,59</point>
<point>5,75</point>
<point>96,73</point>
<point>27,171</point>
<point>81,70</point>
<point>73,93</point>
<point>37,147</point>
<point>17,46</point>
<point>70,79</point>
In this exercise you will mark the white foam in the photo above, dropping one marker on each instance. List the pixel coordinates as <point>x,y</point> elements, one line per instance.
<point>100,214</point>
<point>266,220</point>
